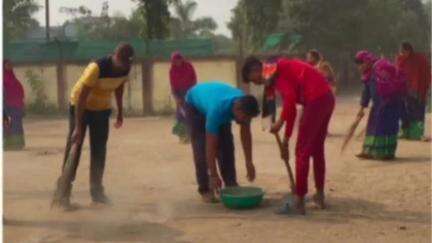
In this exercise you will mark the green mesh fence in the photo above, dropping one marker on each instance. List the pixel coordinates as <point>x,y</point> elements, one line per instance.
<point>40,51</point>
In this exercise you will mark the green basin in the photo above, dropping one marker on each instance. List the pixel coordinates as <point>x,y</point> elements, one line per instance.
<point>242,197</point>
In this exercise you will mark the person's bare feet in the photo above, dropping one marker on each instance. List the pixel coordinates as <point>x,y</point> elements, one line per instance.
<point>319,200</point>
<point>209,198</point>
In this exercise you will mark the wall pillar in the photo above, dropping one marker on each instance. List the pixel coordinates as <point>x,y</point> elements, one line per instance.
<point>61,86</point>
<point>147,87</point>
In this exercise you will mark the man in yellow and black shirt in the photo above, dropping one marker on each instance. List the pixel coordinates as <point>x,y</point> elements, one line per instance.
<point>90,106</point>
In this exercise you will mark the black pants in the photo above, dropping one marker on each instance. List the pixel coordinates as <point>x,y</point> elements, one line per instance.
<point>196,122</point>
<point>98,123</point>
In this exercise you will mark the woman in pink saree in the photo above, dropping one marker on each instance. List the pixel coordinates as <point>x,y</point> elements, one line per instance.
<point>13,92</point>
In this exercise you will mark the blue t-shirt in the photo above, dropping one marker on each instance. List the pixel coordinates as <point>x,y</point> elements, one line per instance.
<point>215,101</point>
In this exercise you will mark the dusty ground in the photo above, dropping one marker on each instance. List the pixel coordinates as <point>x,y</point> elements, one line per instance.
<point>150,180</point>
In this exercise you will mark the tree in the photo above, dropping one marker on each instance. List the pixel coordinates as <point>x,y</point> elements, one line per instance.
<point>138,22</point>
<point>239,28</point>
<point>338,28</point>
<point>263,17</point>
<point>17,18</point>
<point>117,28</point>
<point>253,21</point>
<point>155,16</point>
<point>75,12</point>
<point>334,24</point>
<point>183,25</point>
<point>416,6</point>
<point>379,25</point>
<point>428,8</point>
<point>103,27</point>
<point>416,13</point>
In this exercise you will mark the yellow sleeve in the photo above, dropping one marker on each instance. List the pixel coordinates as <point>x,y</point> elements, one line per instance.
<point>90,75</point>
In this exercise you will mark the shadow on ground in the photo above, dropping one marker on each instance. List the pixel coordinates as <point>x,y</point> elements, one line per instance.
<point>98,231</point>
<point>340,211</point>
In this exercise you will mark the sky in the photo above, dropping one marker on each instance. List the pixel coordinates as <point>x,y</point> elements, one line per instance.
<point>220,10</point>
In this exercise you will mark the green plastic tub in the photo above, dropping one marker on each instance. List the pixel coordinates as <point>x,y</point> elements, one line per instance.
<point>242,197</point>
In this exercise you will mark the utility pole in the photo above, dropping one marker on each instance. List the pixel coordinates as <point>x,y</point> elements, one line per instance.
<point>47,20</point>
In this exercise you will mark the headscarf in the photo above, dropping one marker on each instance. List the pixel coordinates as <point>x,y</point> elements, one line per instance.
<point>368,57</point>
<point>182,77</point>
<point>13,90</point>
<point>176,56</point>
<point>269,94</point>
<point>390,81</point>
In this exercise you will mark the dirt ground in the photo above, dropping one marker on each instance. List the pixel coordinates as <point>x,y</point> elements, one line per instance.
<point>150,179</point>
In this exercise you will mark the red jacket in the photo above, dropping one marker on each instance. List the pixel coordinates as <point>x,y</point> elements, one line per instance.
<point>298,82</point>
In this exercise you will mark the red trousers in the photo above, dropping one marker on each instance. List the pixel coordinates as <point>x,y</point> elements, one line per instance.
<point>310,142</point>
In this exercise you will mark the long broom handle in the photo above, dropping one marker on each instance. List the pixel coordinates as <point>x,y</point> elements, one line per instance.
<point>290,173</point>
<point>350,133</point>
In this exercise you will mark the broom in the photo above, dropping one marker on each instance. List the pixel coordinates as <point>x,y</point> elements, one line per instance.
<point>269,112</point>
<point>287,165</point>
<point>350,133</point>
<point>67,171</point>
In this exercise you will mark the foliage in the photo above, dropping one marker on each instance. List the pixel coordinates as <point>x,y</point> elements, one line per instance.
<point>334,25</point>
<point>37,87</point>
<point>253,21</point>
<point>150,20</point>
<point>379,25</point>
<point>183,26</point>
<point>155,16</point>
<point>39,105</point>
<point>138,22</point>
<point>338,28</point>
<point>81,10</point>
<point>263,17</point>
<point>416,11</point>
<point>113,28</point>
<point>144,22</point>
<point>101,27</point>
<point>239,27</point>
<point>17,18</point>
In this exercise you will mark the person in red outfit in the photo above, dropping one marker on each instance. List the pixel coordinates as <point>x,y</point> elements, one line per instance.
<point>418,71</point>
<point>300,83</point>
<point>13,102</point>
<point>182,78</point>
